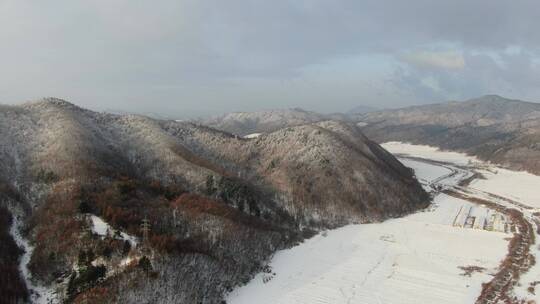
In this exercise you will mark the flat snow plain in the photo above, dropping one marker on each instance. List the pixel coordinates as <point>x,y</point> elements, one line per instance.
<point>523,187</point>
<point>414,259</point>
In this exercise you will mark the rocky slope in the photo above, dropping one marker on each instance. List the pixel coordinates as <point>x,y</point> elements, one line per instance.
<point>217,205</point>
<point>493,128</point>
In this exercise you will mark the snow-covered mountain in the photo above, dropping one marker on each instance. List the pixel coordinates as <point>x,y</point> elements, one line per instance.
<point>213,206</point>
<point>491,127</point>
<point>244,123</point>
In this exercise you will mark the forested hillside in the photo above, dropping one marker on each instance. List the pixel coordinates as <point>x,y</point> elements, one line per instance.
<point>129,209</point>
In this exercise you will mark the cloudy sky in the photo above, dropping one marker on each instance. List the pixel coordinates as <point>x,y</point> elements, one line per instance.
<point>197,57</point>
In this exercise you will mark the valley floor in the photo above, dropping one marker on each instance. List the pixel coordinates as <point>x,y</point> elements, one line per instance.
<point>440,255</point>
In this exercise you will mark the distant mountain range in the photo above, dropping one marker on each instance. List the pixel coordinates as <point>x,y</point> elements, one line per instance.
<point>245,123</point>
<point>494,128</point>
<point>361,109</point>
<point>216,206</point>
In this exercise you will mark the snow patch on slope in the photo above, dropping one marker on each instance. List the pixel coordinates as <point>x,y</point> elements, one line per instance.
<point>102,228</point>
<point>253,135</point>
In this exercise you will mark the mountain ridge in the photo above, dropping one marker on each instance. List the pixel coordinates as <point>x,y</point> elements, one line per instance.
<point>504,131</point>
<point>244,123</point>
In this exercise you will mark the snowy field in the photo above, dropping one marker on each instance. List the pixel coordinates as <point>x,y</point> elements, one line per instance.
<point>524,188</point>
<point>429,153</point>
<point>414,259</point>
<point>409,260</point>
<point>425,173</point>
<point>519,186</point>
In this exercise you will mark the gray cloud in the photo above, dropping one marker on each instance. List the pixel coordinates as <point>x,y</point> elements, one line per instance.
<point>514,74</point>
<point>429,59</point>
<point>194,57</point>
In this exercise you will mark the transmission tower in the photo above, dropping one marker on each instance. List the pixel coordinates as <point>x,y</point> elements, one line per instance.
<point>145,228</point>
